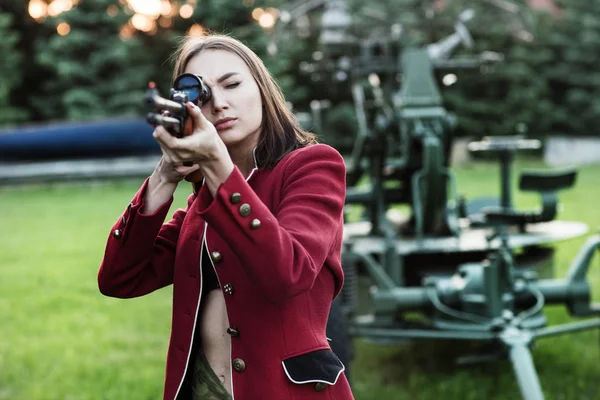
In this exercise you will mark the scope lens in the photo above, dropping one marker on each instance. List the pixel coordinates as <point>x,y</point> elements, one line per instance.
<point>188,84</point>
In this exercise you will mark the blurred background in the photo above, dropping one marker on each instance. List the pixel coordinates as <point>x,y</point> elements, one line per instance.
<point>74,148</point>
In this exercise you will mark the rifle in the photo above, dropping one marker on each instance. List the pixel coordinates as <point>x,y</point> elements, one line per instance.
<point>172,113</point>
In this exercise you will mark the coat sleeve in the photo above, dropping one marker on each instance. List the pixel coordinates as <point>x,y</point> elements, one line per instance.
<point>286,252</point>
<point>140,251</point>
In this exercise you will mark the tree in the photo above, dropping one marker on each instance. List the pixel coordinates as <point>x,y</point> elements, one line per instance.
<point>572,70</point>
<point>507,98</point>
<point>93,71</point>
<point>10,65</point>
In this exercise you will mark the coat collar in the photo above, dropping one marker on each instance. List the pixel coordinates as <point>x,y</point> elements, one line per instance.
<point>198,185</point>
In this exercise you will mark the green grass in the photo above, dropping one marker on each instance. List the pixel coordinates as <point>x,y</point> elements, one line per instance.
<point>61,339</point>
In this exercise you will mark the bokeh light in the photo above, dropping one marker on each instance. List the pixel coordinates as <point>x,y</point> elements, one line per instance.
<point>37,9</point>
<point>267,20</point>
<point>146,16</point>
<point>165,7</point>
<point>197,30</point>
<point>112,10</point>
<point>142,22</point>
<point>152,8</point>
<point>165,22</point>
<point>59,6</point>
<point>257,13</point>
<point>449,79</point>
<point>63,29</point>
<point>186,11</point>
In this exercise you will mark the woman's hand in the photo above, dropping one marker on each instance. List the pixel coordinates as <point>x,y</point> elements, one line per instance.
<point>200,145</point>
<point>169,171</point>
<point>201,142</point>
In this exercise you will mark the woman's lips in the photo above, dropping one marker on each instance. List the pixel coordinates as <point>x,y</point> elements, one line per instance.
<point>225,124</point>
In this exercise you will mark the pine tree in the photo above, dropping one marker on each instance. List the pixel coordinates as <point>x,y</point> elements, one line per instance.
<point>572,70</point>
<point>10,65</point>
<point>507,98</point>
<point>93,72</point>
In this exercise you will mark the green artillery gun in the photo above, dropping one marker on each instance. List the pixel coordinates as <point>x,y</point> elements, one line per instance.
<point>453,262</point>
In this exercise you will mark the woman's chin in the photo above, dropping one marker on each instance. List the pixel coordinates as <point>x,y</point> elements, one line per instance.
<point>233,138</point>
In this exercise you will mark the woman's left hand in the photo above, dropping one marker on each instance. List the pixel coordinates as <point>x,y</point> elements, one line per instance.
<point>200,144</point>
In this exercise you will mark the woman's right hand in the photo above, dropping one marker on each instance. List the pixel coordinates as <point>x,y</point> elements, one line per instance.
<point>169,170</point>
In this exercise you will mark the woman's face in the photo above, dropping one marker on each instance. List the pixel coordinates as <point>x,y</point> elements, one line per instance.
<point>236,106</point>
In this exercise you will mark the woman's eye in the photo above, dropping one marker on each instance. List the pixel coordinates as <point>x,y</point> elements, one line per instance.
<point>232,85</point>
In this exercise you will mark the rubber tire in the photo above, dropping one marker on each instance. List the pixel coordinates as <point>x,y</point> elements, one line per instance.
<point>337,331</point>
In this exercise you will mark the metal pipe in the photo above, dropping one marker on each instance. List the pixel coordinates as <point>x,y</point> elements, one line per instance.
<point>525,372</point>
<point>418,334</point>
<point>567,328</point>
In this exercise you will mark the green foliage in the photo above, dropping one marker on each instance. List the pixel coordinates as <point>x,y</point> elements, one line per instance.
<point>510,97</point>
<point>572,71</point>
<point>92,72</point>
<point>10,65</point>
<point>547,86</point>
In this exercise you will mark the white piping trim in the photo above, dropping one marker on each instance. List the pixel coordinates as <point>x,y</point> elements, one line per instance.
<point>230,367</point>
<point>195,317</point>
<point>254,157</point>
<point>314,380</point>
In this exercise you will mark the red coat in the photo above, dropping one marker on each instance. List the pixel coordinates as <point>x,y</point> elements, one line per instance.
<point>275,241</point>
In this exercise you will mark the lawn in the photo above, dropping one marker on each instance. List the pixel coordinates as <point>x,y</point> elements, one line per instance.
<point>61,339</point>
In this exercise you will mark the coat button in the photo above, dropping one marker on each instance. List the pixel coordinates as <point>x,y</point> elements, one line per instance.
<point>245,210</point>
<point>234,332</point>
<point>320,386</point>
<point>255,224</point>
<point>239,365</point>
<point>216,256</point>
<point>117,233</point>
<point>235,198</point>
<point>228,289</point>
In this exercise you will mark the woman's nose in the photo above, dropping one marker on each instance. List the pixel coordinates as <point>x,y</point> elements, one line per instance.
<point>218,103</point>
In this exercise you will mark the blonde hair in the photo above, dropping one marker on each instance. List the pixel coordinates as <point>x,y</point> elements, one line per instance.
<point>280,131</point>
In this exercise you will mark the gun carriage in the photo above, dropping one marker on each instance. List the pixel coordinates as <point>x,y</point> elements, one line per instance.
<point>467,268</point>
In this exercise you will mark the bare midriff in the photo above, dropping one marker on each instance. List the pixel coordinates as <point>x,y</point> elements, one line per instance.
<point>213,324</point>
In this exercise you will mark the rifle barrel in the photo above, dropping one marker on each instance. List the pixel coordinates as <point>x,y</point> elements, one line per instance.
<point>171,124</point>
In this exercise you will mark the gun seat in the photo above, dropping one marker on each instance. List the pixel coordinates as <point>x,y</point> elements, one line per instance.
<point>547,184</point>
<point>546,181</point>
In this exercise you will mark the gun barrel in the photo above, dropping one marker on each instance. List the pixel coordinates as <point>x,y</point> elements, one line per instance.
<point>171,124</point>
<point>153,101</point>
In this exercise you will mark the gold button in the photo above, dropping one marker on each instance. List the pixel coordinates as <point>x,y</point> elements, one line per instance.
<point>234,332</point>
<point>245,210</point>
<point>239,365</point>
<point>117,233</point>
<point>216,256</point>
<point>228,289</point>
<point>235,198</point>
<point>320,386</point>
<point>255,224</point>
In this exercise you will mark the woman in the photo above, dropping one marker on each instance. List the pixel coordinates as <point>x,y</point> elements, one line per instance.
<point>255,257</point>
